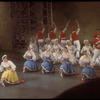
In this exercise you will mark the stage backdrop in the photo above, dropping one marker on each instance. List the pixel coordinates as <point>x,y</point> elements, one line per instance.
<point>87,13</point>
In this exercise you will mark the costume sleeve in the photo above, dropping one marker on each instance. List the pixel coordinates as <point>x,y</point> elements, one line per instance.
<point>64,30</point>
<point>78,30</point>
<point>12,65</point>
<point>55,29</point>
<point>98,42</point>
<point>92,63</point>
<point>81,60</point>
<point>1,67</point>
<point>70,37</point>
<point>82,50</point>
<point>43,30</point>
<point>33,56</point>
<point>25,55</point>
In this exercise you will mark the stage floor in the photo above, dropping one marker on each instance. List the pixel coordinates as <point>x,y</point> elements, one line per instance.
<point>37,85</point>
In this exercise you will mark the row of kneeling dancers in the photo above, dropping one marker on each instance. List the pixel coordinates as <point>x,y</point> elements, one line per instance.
<point>48,65</point>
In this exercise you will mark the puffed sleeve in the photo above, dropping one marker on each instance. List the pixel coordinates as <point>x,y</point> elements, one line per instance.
<point>42,55</point>
<point>43,30</point>
<point>25,55</point>
<point>52,57</point>
<point>74,49</point>
<point>61,47</point>
<point>64,30</point>
<point>34,56</point>
<point>78,30</point>
<point>12,65</point>
<point>82,50</point>
<point>1,67</point>
<point>92,62</point>
<point>81,60</point>
<point>55,29</point>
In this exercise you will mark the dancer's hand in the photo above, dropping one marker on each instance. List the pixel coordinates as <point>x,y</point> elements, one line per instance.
<point>11,70</point>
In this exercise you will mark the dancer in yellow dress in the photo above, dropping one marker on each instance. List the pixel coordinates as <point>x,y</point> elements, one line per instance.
<point>9,74</point>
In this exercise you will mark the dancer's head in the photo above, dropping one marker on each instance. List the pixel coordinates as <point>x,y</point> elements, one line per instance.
<point>40,28</point>
<point>61,27</point>
<point>51,28</point>
<point>56,41</point>
<point>96,35</point>
<point>68,42</point>
<point>74,28</point>
<point>4,58</point>
<point>32,40</point>
<point>86,42</point>
<point>47,41</point>
<point>65,49</point>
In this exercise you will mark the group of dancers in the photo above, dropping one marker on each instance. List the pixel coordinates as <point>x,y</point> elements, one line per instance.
<point>52,51</point>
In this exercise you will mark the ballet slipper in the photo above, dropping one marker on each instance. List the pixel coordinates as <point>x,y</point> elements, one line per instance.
<point>22,81</point>
<point>82,80</point>
<point>23,72</point>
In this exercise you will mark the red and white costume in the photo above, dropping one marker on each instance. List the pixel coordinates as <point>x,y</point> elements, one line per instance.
<point>52,34</point>
<point>75,38</point>
<point>96,44</point>
<point>62,36</point>
<point>40,37</point>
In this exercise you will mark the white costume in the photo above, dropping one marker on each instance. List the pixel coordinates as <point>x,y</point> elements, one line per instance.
<point>72,50</point>
<point>34,47</point>
<point>83,59</point>
<point>5,65</point>
<point>89,50</point>
<point>57,52</point>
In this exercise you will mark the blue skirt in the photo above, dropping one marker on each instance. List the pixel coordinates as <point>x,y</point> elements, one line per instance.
<point>67,68</point>
<point>89,72</point>
<point>47,66</point>
<point>32,65</point>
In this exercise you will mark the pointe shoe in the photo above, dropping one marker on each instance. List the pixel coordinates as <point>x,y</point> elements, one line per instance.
<point>82,80</point>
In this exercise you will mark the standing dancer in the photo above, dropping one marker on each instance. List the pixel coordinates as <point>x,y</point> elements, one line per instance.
<point>74,37</point>
<point>47,65</point>
<point>33,46</point>
<point>40,37</point>
<point>30,64</point>
<point>52,33</point>
<point>9,72</point>
<point>96,44</point>
<point>66,67</point>
<point>62,35</point>
<point>87,63</point>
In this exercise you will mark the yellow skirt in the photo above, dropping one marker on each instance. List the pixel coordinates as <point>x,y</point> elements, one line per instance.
<point>10,77</point>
